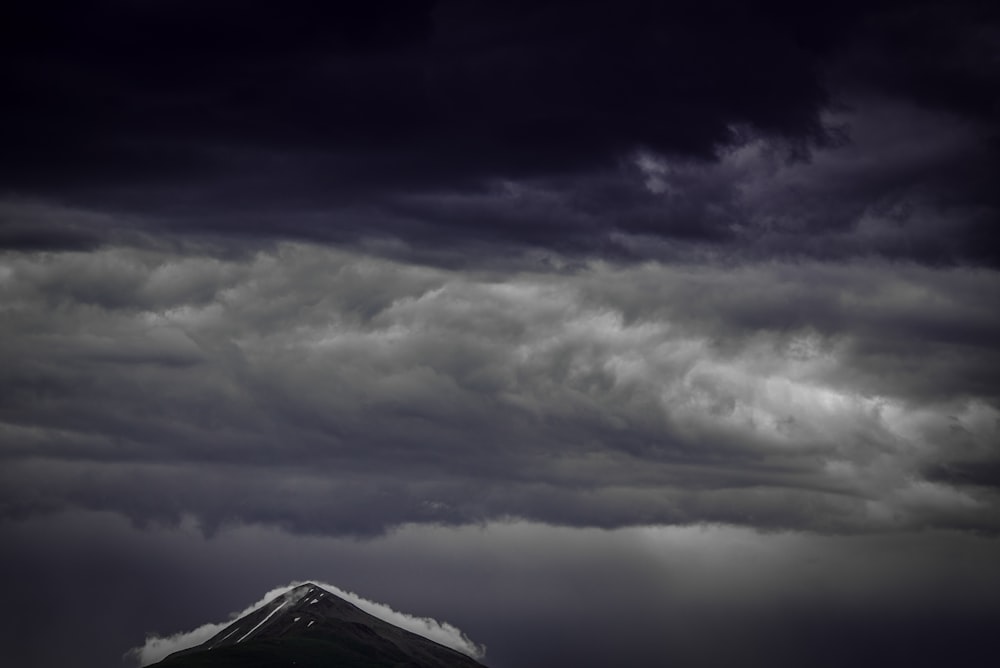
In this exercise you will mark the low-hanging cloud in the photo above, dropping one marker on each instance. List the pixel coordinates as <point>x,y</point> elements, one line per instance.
<point>159,647</point>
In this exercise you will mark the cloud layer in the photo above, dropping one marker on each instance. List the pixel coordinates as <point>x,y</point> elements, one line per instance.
<point>336,392</point>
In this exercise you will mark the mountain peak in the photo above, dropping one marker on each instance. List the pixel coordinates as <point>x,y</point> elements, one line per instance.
<point>308,626</point>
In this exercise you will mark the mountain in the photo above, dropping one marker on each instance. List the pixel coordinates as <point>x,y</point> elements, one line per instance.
<point>308,627</point>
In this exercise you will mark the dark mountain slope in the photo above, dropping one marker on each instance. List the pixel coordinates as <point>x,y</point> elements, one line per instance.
<point>308,627</point>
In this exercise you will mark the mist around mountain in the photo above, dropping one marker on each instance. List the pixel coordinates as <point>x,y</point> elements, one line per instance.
<point>308,626</point>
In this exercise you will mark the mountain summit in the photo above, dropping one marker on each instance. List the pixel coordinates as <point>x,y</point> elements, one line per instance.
<point>308,627</point>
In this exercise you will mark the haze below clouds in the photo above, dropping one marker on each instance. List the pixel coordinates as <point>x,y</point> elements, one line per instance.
<point>601,330</point>
<point>531,593</point>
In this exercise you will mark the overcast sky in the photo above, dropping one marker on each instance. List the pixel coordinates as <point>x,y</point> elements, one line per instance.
<point>610,333</point>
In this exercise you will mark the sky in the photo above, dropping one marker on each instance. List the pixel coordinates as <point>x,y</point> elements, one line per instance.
<point>602,333</point>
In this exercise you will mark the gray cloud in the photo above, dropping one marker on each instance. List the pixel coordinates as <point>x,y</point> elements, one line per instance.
<point>795,394</point>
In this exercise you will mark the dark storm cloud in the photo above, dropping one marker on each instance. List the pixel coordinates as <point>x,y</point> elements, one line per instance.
<point>458,126</point>
<point>486,86</point>
<point>938,55</point>
<point>335,392</point>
